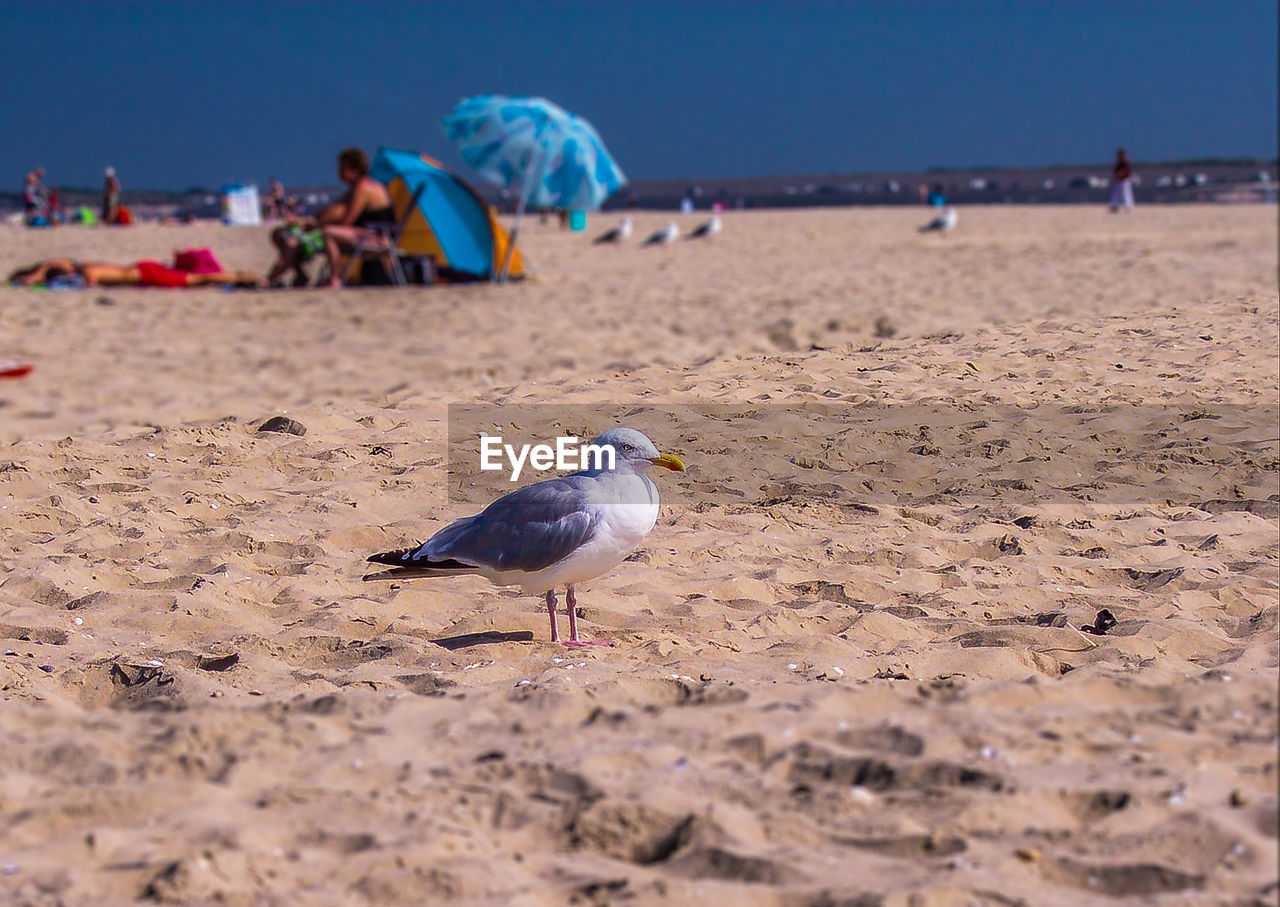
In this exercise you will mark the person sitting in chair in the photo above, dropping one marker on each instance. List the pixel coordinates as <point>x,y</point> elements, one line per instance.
<point>342,224</point>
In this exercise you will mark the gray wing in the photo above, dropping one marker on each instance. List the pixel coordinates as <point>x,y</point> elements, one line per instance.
<point>527,530</point>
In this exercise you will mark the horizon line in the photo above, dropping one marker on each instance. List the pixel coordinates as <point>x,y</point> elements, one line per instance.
<point>1239,161</point>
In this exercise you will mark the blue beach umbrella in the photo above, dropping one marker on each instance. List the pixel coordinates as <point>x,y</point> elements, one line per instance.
<point>531,146</point>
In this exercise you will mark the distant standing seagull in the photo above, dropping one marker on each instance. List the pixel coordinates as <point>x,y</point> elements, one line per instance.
<point>618,233</point>
<point>669,233</point>
<point>558,532</point>
<point>943,223</point>
<point>708,228</point>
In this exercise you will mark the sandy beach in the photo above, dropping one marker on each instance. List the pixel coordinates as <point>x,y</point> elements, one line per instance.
<point>849,664</point>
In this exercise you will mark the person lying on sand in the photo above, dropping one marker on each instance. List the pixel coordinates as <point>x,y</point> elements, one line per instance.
<point>138,274</point>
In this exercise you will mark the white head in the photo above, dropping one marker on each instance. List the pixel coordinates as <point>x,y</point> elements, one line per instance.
<point>111,171</point>
<point>634,452</point>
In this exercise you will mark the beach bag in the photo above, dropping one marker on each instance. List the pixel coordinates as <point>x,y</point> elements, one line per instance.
<point>196,261</point>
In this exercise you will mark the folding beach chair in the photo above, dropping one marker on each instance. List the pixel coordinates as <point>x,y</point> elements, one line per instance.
<point>384,244</point>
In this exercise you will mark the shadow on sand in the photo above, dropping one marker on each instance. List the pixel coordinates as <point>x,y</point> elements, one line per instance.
<point>467,640</point>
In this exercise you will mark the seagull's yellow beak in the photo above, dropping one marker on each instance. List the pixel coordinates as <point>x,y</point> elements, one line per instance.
<point>671,461</point>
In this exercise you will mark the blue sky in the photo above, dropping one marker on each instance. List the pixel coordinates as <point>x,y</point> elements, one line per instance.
<point>196,93</point>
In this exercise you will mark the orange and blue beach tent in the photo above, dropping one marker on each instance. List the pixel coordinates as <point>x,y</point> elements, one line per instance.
<point>452,224</point>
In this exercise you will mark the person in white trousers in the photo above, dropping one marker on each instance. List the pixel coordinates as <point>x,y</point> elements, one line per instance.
<point>1122,183</point>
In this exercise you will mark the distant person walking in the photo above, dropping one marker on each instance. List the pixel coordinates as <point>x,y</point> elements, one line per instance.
<point>277,201</point>
<point>110,196</point>
<point>1122,183</point>
<point>35,198</point>
<point>936,197</point>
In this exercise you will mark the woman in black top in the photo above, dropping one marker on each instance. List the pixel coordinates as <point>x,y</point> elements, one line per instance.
<point>346,221</point>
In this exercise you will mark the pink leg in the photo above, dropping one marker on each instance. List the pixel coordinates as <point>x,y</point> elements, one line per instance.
<point>571,603</point>
<point>551,611</point>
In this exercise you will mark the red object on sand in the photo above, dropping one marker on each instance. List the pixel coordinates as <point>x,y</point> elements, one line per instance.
<point>154,274</point>
<point>15,370</point>
<point>196,261</point>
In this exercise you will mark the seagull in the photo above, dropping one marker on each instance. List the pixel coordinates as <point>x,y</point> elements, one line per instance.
<point>669,233</point>
<point>617,234</point>
<point>558,532</point>
<point>708,228</point>
<point>943,223</point>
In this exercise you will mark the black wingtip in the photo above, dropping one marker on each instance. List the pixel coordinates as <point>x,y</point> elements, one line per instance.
<point>395,558</point>
<point>400,558</point>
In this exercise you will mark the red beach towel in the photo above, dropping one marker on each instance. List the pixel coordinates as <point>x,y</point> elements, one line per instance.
<point>196,261</point>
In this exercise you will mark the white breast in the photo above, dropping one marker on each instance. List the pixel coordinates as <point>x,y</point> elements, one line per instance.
<point>625,517</point>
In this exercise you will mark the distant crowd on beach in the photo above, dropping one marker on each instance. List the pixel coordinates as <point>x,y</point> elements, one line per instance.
<point>364,220</point>
<point>42,206</point>
<point>360,220</point>
<point>1225,181</point>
